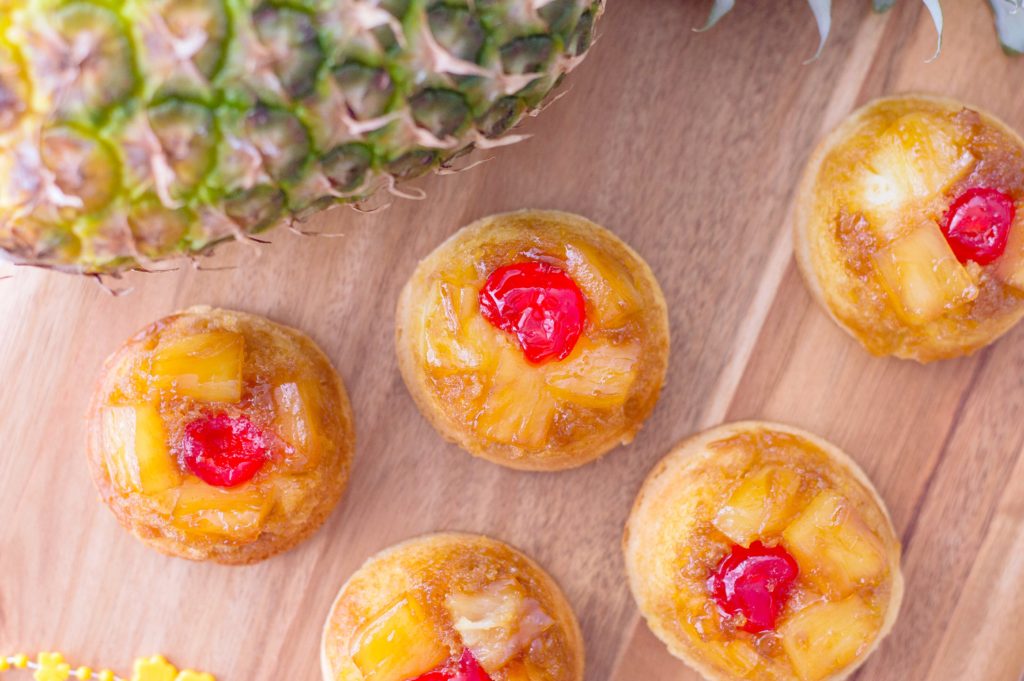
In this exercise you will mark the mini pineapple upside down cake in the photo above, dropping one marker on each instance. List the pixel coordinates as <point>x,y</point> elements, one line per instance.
<point>757,551</point>
<point>909,229</point>
<point>451,607</point>
<point>219,435</point>
<point>537,339</point>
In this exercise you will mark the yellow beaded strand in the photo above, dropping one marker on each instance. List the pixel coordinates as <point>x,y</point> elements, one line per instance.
<point>51,666</point>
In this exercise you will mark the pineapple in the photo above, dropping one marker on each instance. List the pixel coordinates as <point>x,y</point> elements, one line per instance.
<point>399,644</point>
<point>1011,266</point>
<point>595,375</point>
<point>923,276</point>
<point>498,622</point>
<point>827,636</point>
<point>760,506</point>
<point>915,159</point>
<point>140,130</point>
<point>204,366</point>
<point>291,495</point>
<point>835,550</point>
<point>522,671</point>
<point>297,412</point>
<point>135,443</point>
<point>206,510</point>
<point>455,336</point>
<point>739,657</point>
<point>519,410</point>
<point>606,285</point>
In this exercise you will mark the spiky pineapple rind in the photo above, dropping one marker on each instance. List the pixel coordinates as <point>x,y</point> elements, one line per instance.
<point>206,120</point>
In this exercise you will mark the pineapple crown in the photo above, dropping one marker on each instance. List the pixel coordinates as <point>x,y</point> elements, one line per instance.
<point>52,667</point>
<point>1009,17</point>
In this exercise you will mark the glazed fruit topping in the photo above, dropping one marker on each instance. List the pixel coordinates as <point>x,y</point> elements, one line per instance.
<point>537,302</point>
<point>224,451</point>
<point>977,224</point>
<point>752,584</point>
<point>467,669</point>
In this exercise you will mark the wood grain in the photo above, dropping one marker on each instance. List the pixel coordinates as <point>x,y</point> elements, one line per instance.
<point>689,148</point>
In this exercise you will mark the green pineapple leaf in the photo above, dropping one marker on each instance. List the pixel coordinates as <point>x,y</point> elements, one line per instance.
<point>935,9</point>
<point>822,10</point>
<point>718,10</point>
<point>1009,24</point>
<point>1007,15</point>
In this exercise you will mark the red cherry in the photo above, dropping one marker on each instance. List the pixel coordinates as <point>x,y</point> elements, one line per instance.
<point>434,676</point>
<point>537,302</point>
<point>470,669</point>
<point>754,583</point>
<point>977,224</point>
<point>467,669</point>
<point>224,451</point>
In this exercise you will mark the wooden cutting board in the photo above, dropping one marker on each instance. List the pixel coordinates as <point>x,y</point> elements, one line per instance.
<point>688,146</point>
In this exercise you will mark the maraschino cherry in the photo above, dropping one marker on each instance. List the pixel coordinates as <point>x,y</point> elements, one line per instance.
<point>467,669</point>
<point>537,302</point>
<point>977,224</point>
<point>224,451</point>
<point>752,584</point>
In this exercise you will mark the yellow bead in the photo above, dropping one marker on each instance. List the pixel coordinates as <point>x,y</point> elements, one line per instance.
<point>83,673</point>
<point>20,661</point>
<point>106,675</point>
<point>51,667</point>
<point>4,664</point>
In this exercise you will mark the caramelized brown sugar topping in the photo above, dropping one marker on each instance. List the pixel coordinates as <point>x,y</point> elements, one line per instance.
<point>212,426</point>
<point>427,609</point>
<point>481,377</point>
<point>916,234</point>
<point>774,489</point>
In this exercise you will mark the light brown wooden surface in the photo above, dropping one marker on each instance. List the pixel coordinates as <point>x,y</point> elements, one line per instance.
<point>688,146</point>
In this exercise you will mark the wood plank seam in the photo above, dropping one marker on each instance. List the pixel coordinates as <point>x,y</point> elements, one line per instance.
<point>958,413</point>
<point>990,519</point>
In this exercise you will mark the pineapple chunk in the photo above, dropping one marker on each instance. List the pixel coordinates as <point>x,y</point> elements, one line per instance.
<point>498,622</point>
<point>916,158</point>
<point>135,446</point>
<point>399,644</point>
<point>760,506</point>
<point>519,409</point>
<point>739,657</point>
<point>525,670</point>
<point>236,513</point>
<point>297,412</point>
<point>455,335</point>
<point>835,550</point>
<point>205,366</point>
<point>290,495</point>
<point>922,276</point>
<point>1011,265</point>
<point>595,375</point>
<point>825,637</point>
<point>607,287</point>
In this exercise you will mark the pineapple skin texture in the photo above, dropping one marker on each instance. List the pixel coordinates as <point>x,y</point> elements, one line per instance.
<point>671,544</point>
<point>134,131</point>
